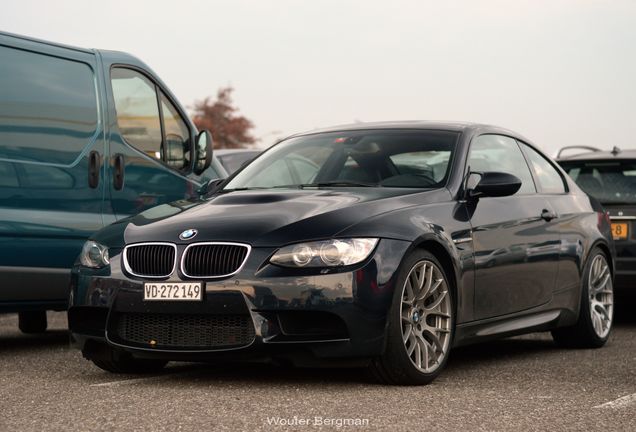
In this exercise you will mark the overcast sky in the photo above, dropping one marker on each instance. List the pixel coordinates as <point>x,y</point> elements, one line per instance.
<point>560,72</point>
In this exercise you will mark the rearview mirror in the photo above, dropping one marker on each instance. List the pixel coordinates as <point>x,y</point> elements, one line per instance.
<point>495,184</point>
<point>202,152</point>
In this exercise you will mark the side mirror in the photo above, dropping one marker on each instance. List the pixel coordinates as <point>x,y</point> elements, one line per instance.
<point>211,186</point>
<point>202,152</point>
<point>495,184</point>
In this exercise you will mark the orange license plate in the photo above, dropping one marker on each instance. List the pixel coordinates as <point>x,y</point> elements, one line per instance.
<point>619,231</point>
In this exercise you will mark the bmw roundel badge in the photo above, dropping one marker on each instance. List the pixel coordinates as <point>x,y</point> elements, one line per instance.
<point>188,234</point>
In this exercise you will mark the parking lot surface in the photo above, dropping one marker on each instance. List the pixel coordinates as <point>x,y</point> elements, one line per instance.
<point>524,383</point>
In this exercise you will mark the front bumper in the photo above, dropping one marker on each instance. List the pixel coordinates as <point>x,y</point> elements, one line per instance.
<point>288,311</point>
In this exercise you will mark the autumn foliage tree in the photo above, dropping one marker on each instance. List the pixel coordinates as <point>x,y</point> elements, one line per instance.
<point>220,116</point>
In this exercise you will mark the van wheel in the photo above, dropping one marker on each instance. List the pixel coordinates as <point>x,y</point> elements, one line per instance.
<point>420,324</point>
<point>597,307</point>
<point>32,322</point>
<point>118,361</point>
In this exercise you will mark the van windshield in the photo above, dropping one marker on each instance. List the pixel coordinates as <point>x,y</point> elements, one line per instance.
<point>404,159</point>
<point>609,181</point>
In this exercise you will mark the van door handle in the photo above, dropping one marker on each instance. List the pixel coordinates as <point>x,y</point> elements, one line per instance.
<point>548,215</point>
<point>94,164</point>
<point>118,171</point>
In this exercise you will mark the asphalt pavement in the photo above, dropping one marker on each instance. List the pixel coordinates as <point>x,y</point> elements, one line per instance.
<point>523,383</point>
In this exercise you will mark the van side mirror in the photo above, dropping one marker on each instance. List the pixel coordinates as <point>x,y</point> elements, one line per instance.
<point>202,152</point>
<point>494,184</point>
<point>172,153</point>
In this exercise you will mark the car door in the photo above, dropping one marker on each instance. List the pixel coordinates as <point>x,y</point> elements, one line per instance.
<point>516,251</point>
<point>150,145</point>
<point>553,187</point>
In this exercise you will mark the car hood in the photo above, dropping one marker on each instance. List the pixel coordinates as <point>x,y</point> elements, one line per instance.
<point>265,218</point>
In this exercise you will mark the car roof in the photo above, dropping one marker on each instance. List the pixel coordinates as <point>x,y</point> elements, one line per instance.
<point>408,124</point>
<point>592,155</point>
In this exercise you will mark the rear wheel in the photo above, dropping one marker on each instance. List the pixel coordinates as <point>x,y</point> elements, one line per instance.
<point>421,324</point>
<point>596,313</point>
<point>32,322</point>
<point>118,361</point>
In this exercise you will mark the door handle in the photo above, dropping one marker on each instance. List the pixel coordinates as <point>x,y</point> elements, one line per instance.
<point>118,171</point>
<point>94,164</point>
<point>548,215</point>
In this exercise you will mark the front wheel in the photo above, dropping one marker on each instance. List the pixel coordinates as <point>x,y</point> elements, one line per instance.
<point>597,307</point>
<point>421,324</point>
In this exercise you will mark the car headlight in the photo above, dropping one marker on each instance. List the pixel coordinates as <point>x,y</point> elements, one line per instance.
<point>327,253</point>
<point>94,255</point>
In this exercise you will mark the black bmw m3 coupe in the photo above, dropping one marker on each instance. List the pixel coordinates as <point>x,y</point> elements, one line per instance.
<point>384,245</point>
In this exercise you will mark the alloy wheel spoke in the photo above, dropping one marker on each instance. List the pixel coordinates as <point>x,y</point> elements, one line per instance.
<point>437,302</point>
<point>602,310</point>
<point>601,274</point>
<point>413,344</point>
<point>410,297</point>
<point>407,333</point>
<point>602,284</point>
<point>406,316</point>
<point>425,288</point>
<point>424,348</point>
<point>435,340</point>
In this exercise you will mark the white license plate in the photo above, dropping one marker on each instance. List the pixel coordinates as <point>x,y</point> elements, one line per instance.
<point>175,291</point>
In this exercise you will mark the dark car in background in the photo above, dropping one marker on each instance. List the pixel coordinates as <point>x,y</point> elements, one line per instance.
<point>610,177</point>
<point>233,159</point>
<point>87,137</point>
<point>401,241</point>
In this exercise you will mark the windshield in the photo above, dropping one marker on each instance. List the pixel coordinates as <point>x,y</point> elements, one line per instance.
<point>404,159</point>
<point>611,182</point>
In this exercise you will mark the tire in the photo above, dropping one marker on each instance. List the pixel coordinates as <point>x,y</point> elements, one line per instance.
<point>118,361</point>
<point>596,313</point>
<point>431,319</point>
<point>32,322</point>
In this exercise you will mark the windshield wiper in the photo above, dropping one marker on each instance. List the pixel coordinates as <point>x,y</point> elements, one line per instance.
<point>337,183</point>
<point>241,189</point>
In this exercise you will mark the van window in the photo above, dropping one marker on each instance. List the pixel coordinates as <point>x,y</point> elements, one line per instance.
<point>139,117</point>
<point>177,141</point>
<point>48,107</point>
<point>137,110</point>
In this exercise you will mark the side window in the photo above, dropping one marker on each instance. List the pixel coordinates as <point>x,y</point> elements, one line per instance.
<point>48,107</point>
<point>137,111</point>
<point>176,146</point>
<point>549,178</point>
<point>139,115</point>
<point>502,154</point>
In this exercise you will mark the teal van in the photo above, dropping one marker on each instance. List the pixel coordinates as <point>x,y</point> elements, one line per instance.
<point>87,137</point>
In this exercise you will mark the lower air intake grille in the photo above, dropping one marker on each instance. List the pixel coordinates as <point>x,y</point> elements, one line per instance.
<point>214,259</point>
<point>185,330</point>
